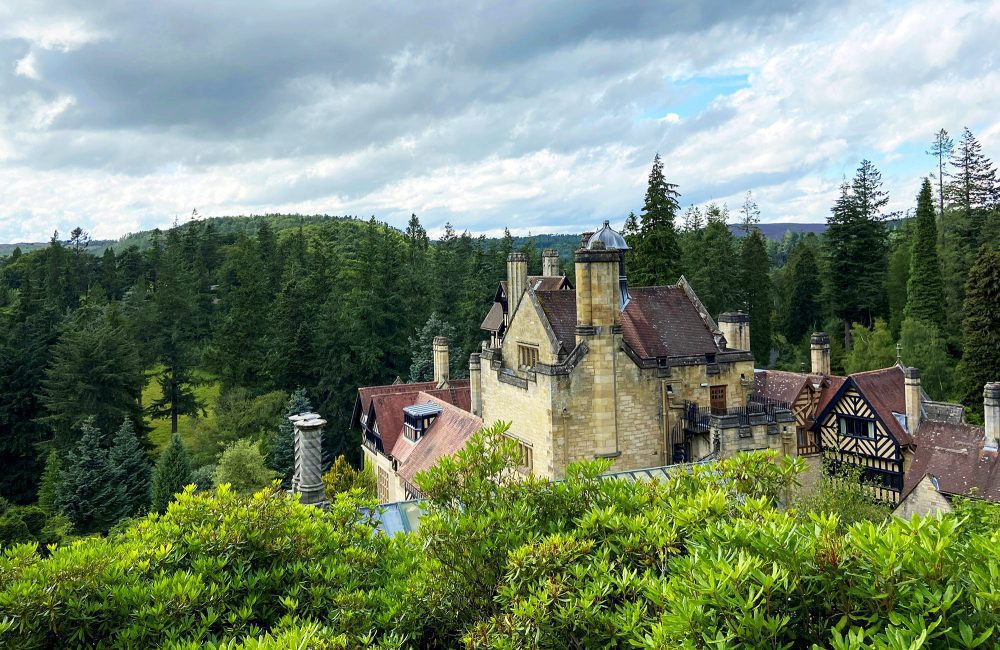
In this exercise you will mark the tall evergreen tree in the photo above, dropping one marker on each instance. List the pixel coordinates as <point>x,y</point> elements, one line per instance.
<point>972,190</point>
<point>756,294</point>
<point>133,474</point>
<point>749,214</point>
<point>981,328</point>
<point>88,491</point>
<point>925,290</point>
<point>719,277</point>
<point>803,289</point>
<point>48,489</point>
<point>94,372</point>
<point>283,450</point>
<point>422,354</point>
<point>922,346</point>
<point>172,473</point>
<point>941,149</point>
<point>658,254</point>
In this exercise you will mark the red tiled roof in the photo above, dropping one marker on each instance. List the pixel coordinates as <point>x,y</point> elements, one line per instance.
<point>953,454</point>
<point>831,385</point>
<point>446,435</point>
<point>390,401</point>
<point>780,385</point>
<point>657,322</point>
<point>559,308</point>
<point>884,391</point>
<point>663,322</point>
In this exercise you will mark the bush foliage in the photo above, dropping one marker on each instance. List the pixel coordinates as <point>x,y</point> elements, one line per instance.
<point>704,559</point>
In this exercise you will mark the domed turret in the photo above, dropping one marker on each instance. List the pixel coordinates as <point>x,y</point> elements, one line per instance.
<point>611,239</point>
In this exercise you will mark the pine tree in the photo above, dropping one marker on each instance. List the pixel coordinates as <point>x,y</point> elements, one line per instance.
<point>172,473</point>
<point>134,476</point>
<point>755,285</point>
<point>749,214</point>
<point>94,372</point>
<point>658,254</point>
<point>803,289</point>
<point>925,289</point>
<point>972,190</point>
<point>88,491</point>
<point>48,489</point>
<point>422,353</point>
<point>720,265</point>
<point>941,149</point>
<point>283,451</point>
<point>981,328</point>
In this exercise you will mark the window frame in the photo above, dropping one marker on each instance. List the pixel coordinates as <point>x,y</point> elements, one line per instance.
<point>527,352</point>
<point>845,423</point>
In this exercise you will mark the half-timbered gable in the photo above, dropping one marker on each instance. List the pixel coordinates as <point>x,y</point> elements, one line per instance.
<point>804,395</point>
<point>863,425</point>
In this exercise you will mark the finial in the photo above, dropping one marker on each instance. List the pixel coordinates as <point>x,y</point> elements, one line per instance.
<point>899,353</point>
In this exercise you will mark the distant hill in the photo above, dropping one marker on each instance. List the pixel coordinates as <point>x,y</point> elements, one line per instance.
<point>564,243</point>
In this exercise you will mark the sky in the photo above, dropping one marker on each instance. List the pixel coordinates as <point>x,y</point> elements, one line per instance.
<point>119,116</point>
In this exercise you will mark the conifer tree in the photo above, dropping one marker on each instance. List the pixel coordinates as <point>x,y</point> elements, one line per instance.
<point>981,328</point>
<point>172,473</point>
<point>133,473</point>
<point>922,346</point>
<point>88,492</point>
<point>48,489</point>
<point>283,451</point>
<point>757,298</point>
<point>941,149</point>
<point>925,289</point>
<point>94,372</point>
<point>972,190</point>
<point>749,214</point>
<point>803,289</point>
<point>422,353</point>
<point>658,252</point>
<point>719,275</point>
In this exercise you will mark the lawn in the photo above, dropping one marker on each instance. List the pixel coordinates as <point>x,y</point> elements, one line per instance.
<point>206,390</point>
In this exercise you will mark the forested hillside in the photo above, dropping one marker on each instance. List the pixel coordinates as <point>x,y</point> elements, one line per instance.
<point>190,344</point>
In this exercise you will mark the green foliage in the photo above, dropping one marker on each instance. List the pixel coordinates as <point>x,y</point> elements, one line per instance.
<point>842,492</point>
<point>871,348</point>
<point>711,264</point>
<point>657,251</point>
<point>803,288</point>
<point>133,475</point>
<point>343,478</point>
<point>237,414</point>
<point>171,474</point>
<point>422,353</point>
<point>981,328</point>
<point>925,287</point>
<point>283,449</point>
<point>924,348</point>
<point>49,487</point>
<point>89,493</point>
<point>242,466</point>
<point>32,525</point>
<point>756,294</point>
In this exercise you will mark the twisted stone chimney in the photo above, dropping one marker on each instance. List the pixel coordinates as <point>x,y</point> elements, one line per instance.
<point>307,480</point>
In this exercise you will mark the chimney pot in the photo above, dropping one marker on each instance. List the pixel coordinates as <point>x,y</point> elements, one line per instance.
<point>991,411</point>
<point>439,348</point>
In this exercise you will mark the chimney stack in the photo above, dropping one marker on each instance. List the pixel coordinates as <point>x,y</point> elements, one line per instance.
<point>911,392</point>
<point>735,326</point>
<point>550,263</point>
<point>475,385</point>
<point>307,480</point>
<point>819,352</point>
<point>440,349</point>
<point>991,411</point>
<point>517,281</point>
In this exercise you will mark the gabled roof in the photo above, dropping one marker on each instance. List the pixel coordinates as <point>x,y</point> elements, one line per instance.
<point>389,402</point>
<point>447,434</point>
<point>657,322</point>
<point>882,389</point>
<point>494,318</point>
<point>953,455</point>
<point>780,385</point>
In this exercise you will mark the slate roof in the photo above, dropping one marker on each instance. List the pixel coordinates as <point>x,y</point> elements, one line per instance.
<point>389,402</point>
<point>780,385</point>
<point>447,434</point>
<point>494,318</point>
<point>953,454</point>
<point>884,391</point>
<point>658,322</point>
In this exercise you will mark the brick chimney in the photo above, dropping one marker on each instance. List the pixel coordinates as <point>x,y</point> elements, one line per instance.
<point>475,385</point>
<point>819,353</point>
<point>517,280</point>
<point>911,393</point>
<point>307,480</point>
<point>440,348</point>
<point>550,263</point>
<point>735,326</point>
<point>991,411</point>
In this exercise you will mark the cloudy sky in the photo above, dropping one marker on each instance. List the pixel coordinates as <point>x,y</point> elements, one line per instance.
<point>118,115</point>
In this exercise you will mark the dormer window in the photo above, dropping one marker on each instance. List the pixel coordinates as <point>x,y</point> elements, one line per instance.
<point>418,418</point>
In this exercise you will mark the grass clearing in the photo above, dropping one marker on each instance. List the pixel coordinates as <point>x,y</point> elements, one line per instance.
<point>206,391</point>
